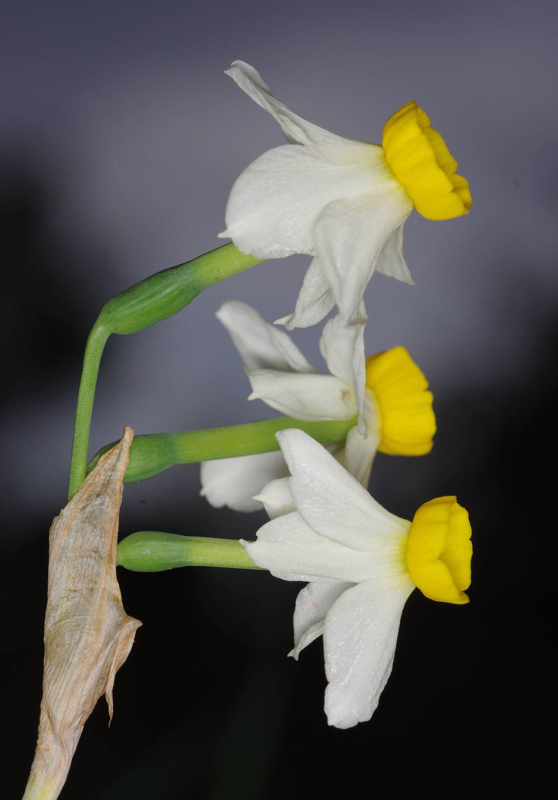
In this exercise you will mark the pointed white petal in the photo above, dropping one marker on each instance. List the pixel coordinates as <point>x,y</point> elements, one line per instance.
<point>305,397</point>
<point>351,234</point>
<point>291,550</point>
<point>328,145</point>
<point>315,299</point>
<point>334,503</point>
<point>360,635</point>
<point>233,482</point>
<point>391,261</point>
<point>261,345</point>
<point>337,346</point>
<point>315,630</point>
<point>275,203</point>
<point>312,604</point>
<point>359,375</point>
<point>277,498</point>
<point>342,346</point>
<point>359,454</point>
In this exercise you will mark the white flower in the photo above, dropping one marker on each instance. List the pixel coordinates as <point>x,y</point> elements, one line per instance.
<point>395,409</point>
<point>342,201</point>
<point>362,563</point>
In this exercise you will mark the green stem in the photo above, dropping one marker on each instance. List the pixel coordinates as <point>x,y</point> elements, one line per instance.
<point>154,453</point>
<point>91,361</point>
<point>154,299</point>
<point>155,551</point>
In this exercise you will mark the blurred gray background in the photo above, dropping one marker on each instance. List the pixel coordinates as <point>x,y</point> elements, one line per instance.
<point>120,140</point>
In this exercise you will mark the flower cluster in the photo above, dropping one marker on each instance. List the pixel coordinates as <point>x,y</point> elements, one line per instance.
<point>344,203</point>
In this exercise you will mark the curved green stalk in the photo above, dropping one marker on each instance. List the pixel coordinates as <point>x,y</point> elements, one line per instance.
<point>155,551</point>
<point>154,299</point>
<point>91,362</point>
<point>153,453</point>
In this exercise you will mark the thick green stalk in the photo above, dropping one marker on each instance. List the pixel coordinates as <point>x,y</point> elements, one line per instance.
<point>154,299</point>
<point>166,293</point>
<point>154,453</point>
<point>155,551</point>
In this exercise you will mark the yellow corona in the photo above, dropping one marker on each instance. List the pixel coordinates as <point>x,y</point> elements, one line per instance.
<point>439,550</point>
<point>403,402</point>
<point>421,161</point>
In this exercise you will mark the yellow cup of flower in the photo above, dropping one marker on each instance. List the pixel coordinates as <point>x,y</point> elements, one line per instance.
<point>439,550</point>
<point>421,161</point>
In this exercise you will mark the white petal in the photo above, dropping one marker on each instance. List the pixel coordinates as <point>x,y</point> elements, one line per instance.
<point>315,630</point>
<point>277,546</point>
<point>275,203</point>
<point>337,346</point>
<point>391,261</point>
<point>360,635</point>
<point>261,345</point>
<point>359,454</point>
<point>328,145</point>
<point>359,375</point>
<point>315,299</point>
<point>305,397</point>
<point>342,346</point>
<point>277,498</point>
<point>351,234</point>
<point>291,550</point>
<point>233,482</point>
<point>312,604</point>
<point>333,503</point>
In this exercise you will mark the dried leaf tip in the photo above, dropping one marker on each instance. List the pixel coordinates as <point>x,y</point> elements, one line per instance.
<point>88,635</point>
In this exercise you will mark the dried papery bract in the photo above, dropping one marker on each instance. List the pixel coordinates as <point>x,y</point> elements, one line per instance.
<point>88,635</point>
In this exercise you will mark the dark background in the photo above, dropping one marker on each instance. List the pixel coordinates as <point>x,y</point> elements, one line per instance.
<point>120,141</point>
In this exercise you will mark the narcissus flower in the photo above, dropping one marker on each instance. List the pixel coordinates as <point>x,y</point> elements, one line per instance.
<point>362,563</point>
<point>395,406</point>
<point>342,201</point>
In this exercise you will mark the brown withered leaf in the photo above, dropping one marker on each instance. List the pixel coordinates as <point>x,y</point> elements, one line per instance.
<point>88,635</point>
